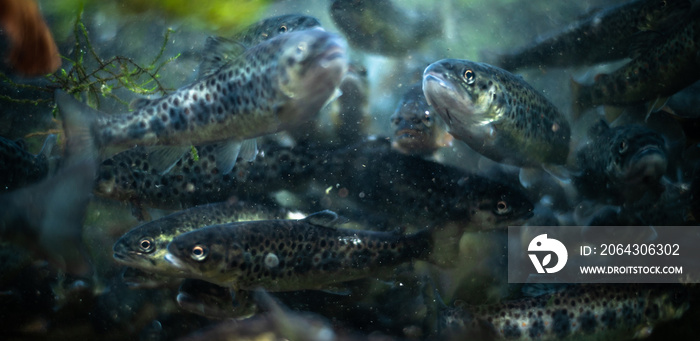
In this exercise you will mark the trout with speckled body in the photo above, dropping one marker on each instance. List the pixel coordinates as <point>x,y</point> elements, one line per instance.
<point>275,85</point>
<point>310,253</point>
<point>417,131</point>
<point>596,312</point>
<point>144,247</point>
<point>497,113</point>
<point>621,164</point>
<point>606,34</point>
<point>670,63</point>
<point>130,177</point>
<point>380,26</point>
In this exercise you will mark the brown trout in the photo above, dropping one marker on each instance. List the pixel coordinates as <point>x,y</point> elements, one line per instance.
<point>310,253</point>
<point>218,51</point>
<point>130,177</point>
<point>596,312</point>
<point>606,34</point>
<point>497,113</point>
<point>144,246</point>
<point>417,131</point>
<point>275,85</point>
<point>621,164</point>
<point>379,26</point>
<point>668,65</point>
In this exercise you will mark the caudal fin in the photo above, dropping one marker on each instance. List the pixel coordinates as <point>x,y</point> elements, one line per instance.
<point>48,217</point>
<point>78,125</point>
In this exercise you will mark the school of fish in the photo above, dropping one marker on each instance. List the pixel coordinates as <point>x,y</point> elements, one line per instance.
<point>345,175</point>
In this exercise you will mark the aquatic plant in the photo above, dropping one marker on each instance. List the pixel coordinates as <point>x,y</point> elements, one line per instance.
<point>100,81</point>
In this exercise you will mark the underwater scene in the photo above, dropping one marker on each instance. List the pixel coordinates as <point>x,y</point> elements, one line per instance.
<point>338,169</point>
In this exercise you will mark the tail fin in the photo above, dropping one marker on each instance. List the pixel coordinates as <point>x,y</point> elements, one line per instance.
<point>78,124</point>
<point>445,244</point>
<point>48,217</point>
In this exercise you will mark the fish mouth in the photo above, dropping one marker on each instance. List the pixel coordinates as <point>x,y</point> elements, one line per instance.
<point>333,54</point>
<point>409,133</point>
<point>412,141</point>
<point>176,262</point>
<point>126,257</point>
<point>444,96</point>
<point>647,166</point>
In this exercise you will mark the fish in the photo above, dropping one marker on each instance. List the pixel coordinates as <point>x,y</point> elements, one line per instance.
<point>276,85</point>
<point>667,64</point>
<point>372,181</point>
<point>218,51</point>
<point>130,177</point>
<point>212,301</point>
<point>18,167</point>
<point>309,253</point>
<point>602,312</point>
<point>144,247</point>
<point>47,217</point>
<point>381,27</point>
<point>417,128</point>
<point>622,164</point>
<point>369,176</point>
<point>33,50</point>
<point>276,322</point>
<point>352,119</point>
<point>604,35</point>
<point>496,113</point>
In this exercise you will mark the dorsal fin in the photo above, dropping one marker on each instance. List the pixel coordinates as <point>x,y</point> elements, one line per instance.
<point>218,51</point>
<point>325,218</point>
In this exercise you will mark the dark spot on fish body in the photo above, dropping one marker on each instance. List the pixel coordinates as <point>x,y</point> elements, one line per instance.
<point>536,329</point>
<point>588,322</point>
<point>561,324</point>
<point>360,259</point>
<point>609,319</point>
<point>628,315</point>
<point>511,331</point>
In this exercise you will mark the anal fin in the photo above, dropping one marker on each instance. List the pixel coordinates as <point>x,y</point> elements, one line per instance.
<point>249,150</point>
<point>226,154</point>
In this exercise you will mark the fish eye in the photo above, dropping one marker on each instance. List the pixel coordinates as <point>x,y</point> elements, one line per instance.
<point>146,244</point>
<point>199,253</point>
<point>502,207</point>
<point>427,119</point>
<point>469,76</point>
<point>282,29</point>
<point>623,146</point>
